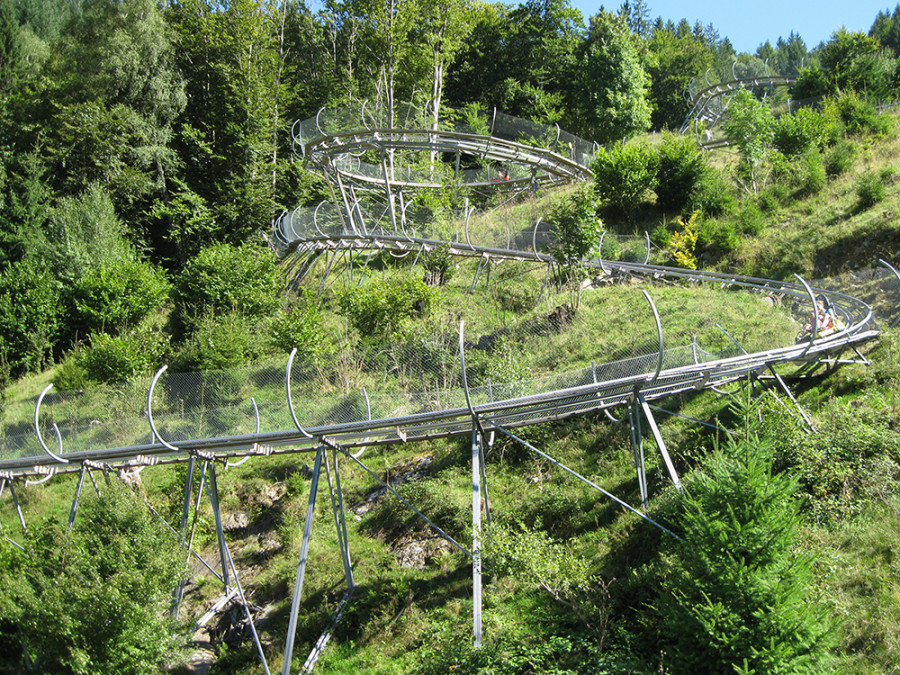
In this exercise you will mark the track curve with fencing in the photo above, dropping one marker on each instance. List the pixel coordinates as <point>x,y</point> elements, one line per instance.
<point>305,235</point>
<point>321,423</point>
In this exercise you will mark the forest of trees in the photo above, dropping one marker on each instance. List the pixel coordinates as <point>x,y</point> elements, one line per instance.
<point>137,137</point>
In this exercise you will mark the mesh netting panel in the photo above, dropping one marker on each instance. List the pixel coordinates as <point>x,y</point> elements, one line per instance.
<point>422,374</point>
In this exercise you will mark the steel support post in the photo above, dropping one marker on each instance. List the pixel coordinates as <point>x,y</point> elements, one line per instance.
<point>340,522</point>
<point>301,567</point>
<point>212,490</point>
<point>228,562</point>
<point>476,538</point>
<point>94,482</point>
<point>77,495</point>
<point>188,488</point>
<point>790,395</point>
<point>12,491</point>
<point>637,444</point>
<point>648,414</point>
<point>484,484</point>
<point>188,493</point>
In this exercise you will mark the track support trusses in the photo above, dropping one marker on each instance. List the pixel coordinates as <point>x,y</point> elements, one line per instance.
<point>780,380</point>
<point>638,406</point>
<point>9,480</point>
<point>479,494</point>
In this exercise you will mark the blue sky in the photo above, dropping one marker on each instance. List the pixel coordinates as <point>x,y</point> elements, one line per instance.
<point>748,24</point>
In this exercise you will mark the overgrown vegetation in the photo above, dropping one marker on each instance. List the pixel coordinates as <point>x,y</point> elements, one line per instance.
<point>144,147</point>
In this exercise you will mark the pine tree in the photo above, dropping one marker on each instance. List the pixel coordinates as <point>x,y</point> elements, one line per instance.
<point>738,595</point>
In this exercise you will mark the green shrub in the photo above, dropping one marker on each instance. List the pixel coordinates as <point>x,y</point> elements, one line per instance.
<point>83,233</point>
<point>716,238</point>
<point>680,169</point>
<point>123,357</point>
<point>117,295</point>
<point>713,195</point>
<point>30,316</point>
<point>750,125</point>
<point>797,133</point>
<point>299,327</point>
<point>751,219</point>
<point>738,595</point>
<point>840,159</point>
<point>225,278</point>
<point>95,598</point>
<point>849,464</point>
<point>870,190</point>
<point>71,374</point>
<point>576,228</point>
<point>811,176</point>
<point>383,309</point>
<point>774,196</point>
<point>855,115</point>
<point>811,83</point>
<point>438,264</point>
<point>220,341</point>
<point>624,175</point>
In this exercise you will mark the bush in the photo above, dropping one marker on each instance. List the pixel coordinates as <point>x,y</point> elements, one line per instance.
<point>716,238</point>
<point>811,177</point>
<point>750,219</point>
<point>797,133</point>
<point>624,175</point>
<point>774,196</point>
<point>739,590</point>
<point>438,264</point>
<point>870,190</point>
<point>848,465</point>
<point>298,326</point>
<point>83,233</point>
<point>117,295</point>
<point>680,170</point>
<point>95,598</point>
<point>855,115</point>
<point>122,358</point>
<point>576,228</point>
<point>840,159</point>
<point>30,318</point>
<point>384,309</point>
<point>750,125</point>
<point>225,278</point>
<point>684,242</point>
<point>220,341</point>
<point>713,195</point>
<point>70,374</point>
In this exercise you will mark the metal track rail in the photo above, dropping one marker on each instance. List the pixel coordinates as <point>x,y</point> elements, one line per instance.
<point>582,397</point>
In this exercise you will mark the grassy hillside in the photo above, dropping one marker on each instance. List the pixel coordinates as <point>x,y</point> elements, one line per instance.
<point>574,583</point>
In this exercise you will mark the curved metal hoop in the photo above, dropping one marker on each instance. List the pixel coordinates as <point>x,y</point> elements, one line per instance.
<point>600,252</point>
<point>814,328</point>
<point>893,269</point>
<point>43,480</point>
<point>150,411</point>
<point>37,429</point>
<point>287,387</point>
<point>462,362</point>
<point>659,332</point>
<point>229,464</point>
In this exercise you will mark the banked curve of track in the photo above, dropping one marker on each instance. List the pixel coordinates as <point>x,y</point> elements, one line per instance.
<point>589,390</point>
<point>672,370</point>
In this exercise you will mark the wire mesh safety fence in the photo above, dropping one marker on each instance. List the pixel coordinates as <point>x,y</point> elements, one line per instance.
<point>363,117</point>
<point>552,348</point>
